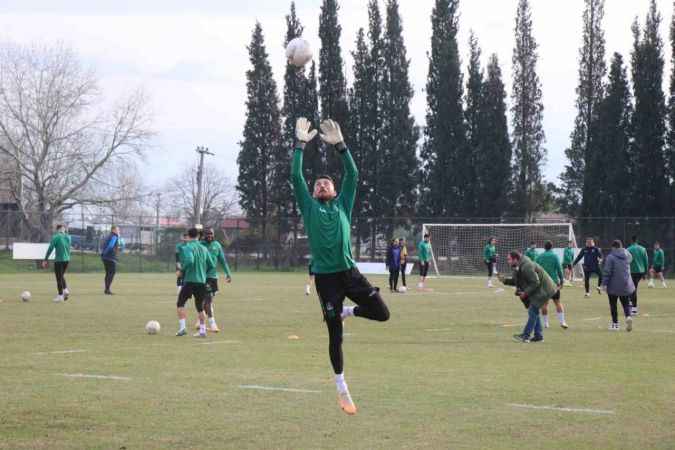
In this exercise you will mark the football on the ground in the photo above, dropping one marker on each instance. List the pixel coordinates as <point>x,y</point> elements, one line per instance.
<point>402,289</point>
<point>25,296</point>
<point>298,52</point>
<point>152,327</point>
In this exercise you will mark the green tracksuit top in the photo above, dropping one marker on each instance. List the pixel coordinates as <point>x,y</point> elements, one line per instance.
<point>551,264</point>
<point>640,262</point>
<point>568,256</point>
<point>489,253</point>
<point>195,262</point>
<point>61,244</point>
<point>659,258</point>
<point>218,256</point>
<point>327,224</point>
<point>424,251</point>
<point>531,253</point>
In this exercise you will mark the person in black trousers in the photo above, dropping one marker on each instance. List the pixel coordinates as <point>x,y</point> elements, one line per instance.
<point>111,248</point>
<point>592,256</point>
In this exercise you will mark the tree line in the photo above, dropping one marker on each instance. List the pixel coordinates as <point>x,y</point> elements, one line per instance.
<point>474,157</point>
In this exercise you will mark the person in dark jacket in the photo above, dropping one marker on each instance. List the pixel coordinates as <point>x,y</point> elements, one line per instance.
<point>393,264</point>
<point>592,257</point>
<point>619,284</point>
<point>534,288</point>
<point>109,252</point>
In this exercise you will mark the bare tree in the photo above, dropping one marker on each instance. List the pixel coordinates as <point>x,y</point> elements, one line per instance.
<point>55,129</point>
<point>219,197</point>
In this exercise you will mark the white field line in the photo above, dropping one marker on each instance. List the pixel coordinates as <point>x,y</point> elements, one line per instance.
<point>658,331</point>
<point>218,342</point>
<point>97,377</point>
<point>555,408</point>
<point>60,352</point>
<point>271,388</point>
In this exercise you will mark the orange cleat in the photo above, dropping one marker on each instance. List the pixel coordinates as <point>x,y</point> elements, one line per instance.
<point>213,328</point>
<point>346,403</point>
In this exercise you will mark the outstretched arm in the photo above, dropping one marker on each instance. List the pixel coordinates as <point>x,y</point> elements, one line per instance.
<point>331,134</point>
<point>579,256</point>
<point>304,135</point>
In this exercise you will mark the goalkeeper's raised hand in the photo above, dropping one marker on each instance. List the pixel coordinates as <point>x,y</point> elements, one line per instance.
<point>331,134</point>
<point>303,131</point>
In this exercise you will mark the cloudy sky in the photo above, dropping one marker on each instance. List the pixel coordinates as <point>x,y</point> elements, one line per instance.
<point>191,56</point>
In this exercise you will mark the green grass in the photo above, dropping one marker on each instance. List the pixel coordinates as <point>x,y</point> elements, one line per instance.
<point>442,373</point>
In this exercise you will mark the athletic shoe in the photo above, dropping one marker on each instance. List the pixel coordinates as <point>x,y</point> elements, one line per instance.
<point>599,290</point>
<point>664,284</point>
<point>614,327</point>
<point>546,324</point>
<point>520,338</point>
<point>569,283</point>
<point>537,339</point>
<point>587,294</point>
<point>650,284</point>
<point>489,284</point>
<point>564,325</point>
<point>181,332</point>
<point>634,311</point>
<point>213,328</point>
<point>199,334</point>
<point>66,294</point>
<point>58,299</point>
<point>346,403</point>
<point>307,290</point>
<point>108,293</point>
<point>420,285</point>
<point>629,324</point>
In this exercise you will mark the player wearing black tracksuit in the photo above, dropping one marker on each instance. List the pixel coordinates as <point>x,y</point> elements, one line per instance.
<point>592,257</point>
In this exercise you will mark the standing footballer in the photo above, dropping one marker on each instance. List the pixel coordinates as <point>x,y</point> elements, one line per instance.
<point>60,244</point>
<point>327,220</point>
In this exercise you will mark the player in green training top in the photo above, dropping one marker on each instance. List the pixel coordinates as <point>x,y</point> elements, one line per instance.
<point>639,266</point>
<point>424,255</point>
<point>658,265</point>
<point>327,219</point>
<point>60,244</point>
<point>568,259</point>
<point>490,258</point>
<point>551,264</point>
<point>195,263</point>
<point>531,251</point>
<point>179,276</point>
<point>218,256</point>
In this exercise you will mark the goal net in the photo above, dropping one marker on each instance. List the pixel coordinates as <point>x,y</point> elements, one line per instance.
<point>457,249</point>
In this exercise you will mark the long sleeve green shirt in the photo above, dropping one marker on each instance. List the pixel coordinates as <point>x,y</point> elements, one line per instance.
<point>424,251</point>
<point>568,256</point>
<point>195,262</point>
<point>489,253</point>
<point>640,262</point>
<point>659,258</point>
<point>61,244</point>
<point>327,224</point>
<point>551,264</point>
<point>218,256</point>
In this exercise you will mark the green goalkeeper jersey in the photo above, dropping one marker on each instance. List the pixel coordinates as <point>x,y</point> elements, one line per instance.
<point>60,243</point>
<point>568,256</point>
<point>659,258</point>
<point>327,224</point>
<point>489,253</point>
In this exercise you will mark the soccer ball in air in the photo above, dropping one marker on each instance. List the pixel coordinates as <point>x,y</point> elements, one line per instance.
<point>402,289</point>
<point>25,296</point>
<point>152,327</point>
<point>298,52</point>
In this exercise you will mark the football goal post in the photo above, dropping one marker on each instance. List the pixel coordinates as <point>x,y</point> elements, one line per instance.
<point>457,249</point>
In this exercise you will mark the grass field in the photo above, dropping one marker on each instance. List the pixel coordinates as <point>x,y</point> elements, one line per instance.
<point>443,373</point>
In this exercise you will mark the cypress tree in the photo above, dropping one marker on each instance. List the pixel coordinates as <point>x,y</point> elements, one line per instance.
<point>528,114</point>
<point>610,140</point>
<point>262,136</point>
<point>493,162</point>
<point>474,103</point>
<point>592,70</point>
<point>649,193</point>
<point>332,84</point>
<point>399,132</point>
<point>445,132</point>
<point>670,155</point>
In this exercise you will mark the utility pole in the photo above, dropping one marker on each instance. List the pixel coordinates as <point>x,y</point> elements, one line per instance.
<point>157,203</point>
<point>200,174</point>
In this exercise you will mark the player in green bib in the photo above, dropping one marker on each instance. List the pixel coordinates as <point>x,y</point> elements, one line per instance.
<point>568,259</point>
<point>639,266</point>
<point>551,264</point>
<point>218,255</point>
<point>327,220</point>
<point>424,255</point>
<point>490,258</point>
<point>60,244</point>
<point>658,266</point>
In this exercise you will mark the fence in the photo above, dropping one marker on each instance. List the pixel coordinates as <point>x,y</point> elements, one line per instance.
<point>150,241</point>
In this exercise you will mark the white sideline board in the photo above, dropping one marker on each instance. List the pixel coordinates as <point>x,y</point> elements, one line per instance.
<point>378,268</point>
<point>30,250</point>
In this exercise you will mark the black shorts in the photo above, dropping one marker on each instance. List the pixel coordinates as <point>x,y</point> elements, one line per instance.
<point>424,268</point>
<point>556,296</point>
<point>179,281</point>
<point>309,268</point>
<point>196,290</point>
<point>212,285</point>
<point>658,269</point>
<point>334,287</point>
